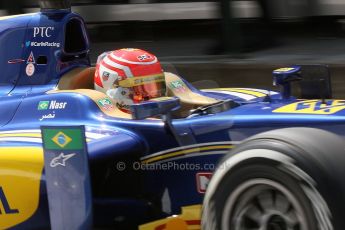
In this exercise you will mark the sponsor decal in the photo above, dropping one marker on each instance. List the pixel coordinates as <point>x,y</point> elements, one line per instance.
<point>123,106</point>
<point>313,107</point>
<point>105,75</point>
<point>30,69</point>
<point>143,57</point>
<point>47,116</point>
<point>45,105</point>
<point>5,204</point>
<point>15,61</point>
<point>178,86</point>
<point>63,139</point>
<point>61,160</point>
<point>31,58</point>
<point>202,181</point>
<point>43,31</point>
<point>106,104</point>
<point>42,44</point>
<point>136,81</point>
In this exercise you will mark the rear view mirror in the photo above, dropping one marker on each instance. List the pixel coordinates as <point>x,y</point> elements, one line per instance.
<point>284,76</point>
<point>315,81</point>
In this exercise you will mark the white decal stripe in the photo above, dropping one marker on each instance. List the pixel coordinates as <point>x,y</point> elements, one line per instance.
<point>94,135</point>
<point>103,68</point>
<point>132,62</point>
<point>21,139</point>
<point>21,131</point>
<point>127,71</point>
<point>236,94</point>
<point>260,91</point>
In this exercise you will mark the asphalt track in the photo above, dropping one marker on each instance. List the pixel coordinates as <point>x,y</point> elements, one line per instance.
<point>188,57</point>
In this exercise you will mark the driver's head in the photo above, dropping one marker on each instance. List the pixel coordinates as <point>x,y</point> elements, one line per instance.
<point>129,76</point>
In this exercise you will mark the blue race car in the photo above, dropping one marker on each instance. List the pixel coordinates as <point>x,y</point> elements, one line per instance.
<point>69,159</point>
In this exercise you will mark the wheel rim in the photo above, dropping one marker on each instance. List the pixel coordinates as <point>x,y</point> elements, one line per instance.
<point>263,204</point>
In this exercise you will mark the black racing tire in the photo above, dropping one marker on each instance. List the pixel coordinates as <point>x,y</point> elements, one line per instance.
<point>285,179</point>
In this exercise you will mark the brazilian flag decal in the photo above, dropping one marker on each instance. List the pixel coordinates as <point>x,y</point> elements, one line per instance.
<point>62,139</point>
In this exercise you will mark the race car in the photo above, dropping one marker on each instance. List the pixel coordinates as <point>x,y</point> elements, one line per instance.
<point>224,158</point>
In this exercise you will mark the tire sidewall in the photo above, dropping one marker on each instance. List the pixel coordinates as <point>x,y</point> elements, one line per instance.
<point>314,174</point>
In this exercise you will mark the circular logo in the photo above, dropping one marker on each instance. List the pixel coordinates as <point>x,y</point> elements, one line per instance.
<point>30,69</point>
<point>61,139</point>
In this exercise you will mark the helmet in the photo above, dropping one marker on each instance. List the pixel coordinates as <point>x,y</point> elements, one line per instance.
<point>129,76</point>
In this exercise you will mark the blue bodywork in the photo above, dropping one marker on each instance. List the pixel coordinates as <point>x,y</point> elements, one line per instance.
<point>55,43</point>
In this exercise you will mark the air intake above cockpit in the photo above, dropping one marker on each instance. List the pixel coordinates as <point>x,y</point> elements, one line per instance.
<point>55,5</point>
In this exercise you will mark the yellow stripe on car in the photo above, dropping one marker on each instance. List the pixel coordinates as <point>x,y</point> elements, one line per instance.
<point>184,152</point>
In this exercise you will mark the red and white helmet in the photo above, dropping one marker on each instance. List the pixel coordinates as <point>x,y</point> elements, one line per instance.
<point>129,76</point>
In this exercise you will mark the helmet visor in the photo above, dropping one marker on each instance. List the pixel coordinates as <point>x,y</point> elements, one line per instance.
<point>145,87</point>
